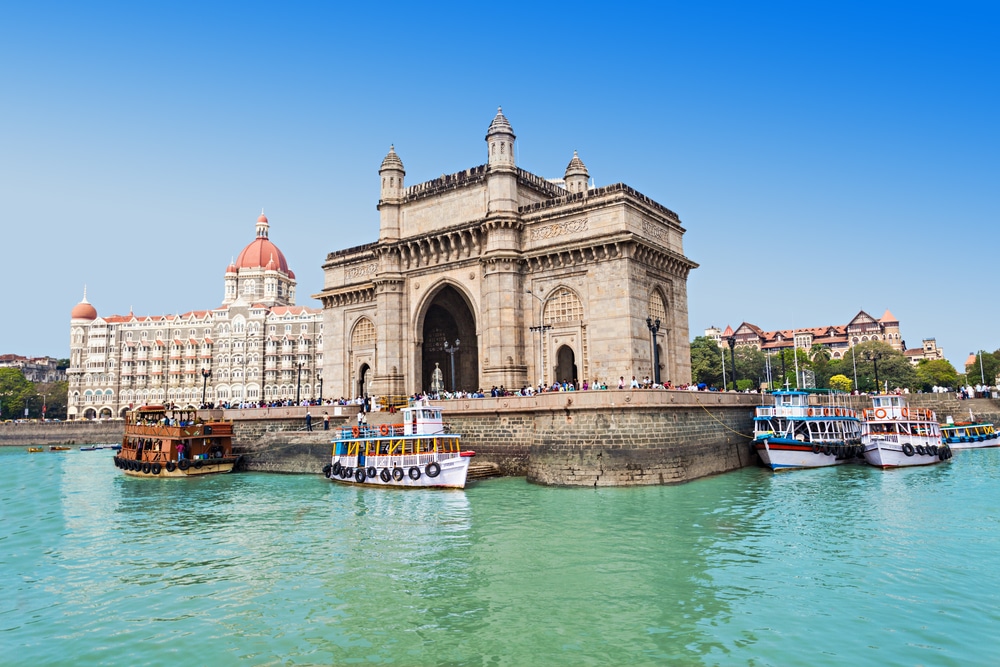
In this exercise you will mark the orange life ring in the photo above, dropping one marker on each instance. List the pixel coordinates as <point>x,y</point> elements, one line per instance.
<point>878,415</point>
<point>355,431</point>
<point>809,412</point>
<point>384,429</point>
<point>906,412</point>
<point>837,412</point>
<point>826,412</point>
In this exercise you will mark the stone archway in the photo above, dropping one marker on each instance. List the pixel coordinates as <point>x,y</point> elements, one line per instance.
<point>447,319</point>
<point>566,365</point>
<point>364,379</point>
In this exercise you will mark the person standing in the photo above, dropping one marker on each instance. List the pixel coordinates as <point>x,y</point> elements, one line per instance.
<point>309,421</point>
<point>326,421</point>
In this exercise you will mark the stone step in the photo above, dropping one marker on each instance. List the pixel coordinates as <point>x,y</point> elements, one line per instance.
<point>483,470</point>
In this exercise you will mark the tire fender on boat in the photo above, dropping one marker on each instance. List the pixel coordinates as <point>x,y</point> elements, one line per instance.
<point>335,470</point>
<point>184,464</point>
<point>414,473</point>
<point>372,472</point>
<point>397,474</point>
<point>433,469</point>
<point>326,470</point>
<point>198,463</point>
<point>146,468</point>
<point>816,448</point>
<point>155,469</point>
<point>359,475</point>
<point>385,475</point>
<point>171,466</point>
<point>908,449</point>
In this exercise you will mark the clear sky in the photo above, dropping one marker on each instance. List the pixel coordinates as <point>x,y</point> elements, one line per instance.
<point>824,157</point>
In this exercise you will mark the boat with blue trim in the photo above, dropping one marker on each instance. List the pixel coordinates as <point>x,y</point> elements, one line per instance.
<point>417,453</point>
<point>972,434</point>
<point>796,433</point>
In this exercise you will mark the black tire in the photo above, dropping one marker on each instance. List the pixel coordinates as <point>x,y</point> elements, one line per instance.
<point>908,449</point>
<point>397,474</point>
<point>198,463</point>
<point>133,466</point>
<point>433,469</point>
<point>326,469</point>
<point>920,450</point>
<point>155,469</point>
<point>171,466</point>
<point>932,450</point>
<point>816,450</point>
<point>336,468</point>
<point>385,475</point>
<point>372,472</point>
<point>414,473</point>
<point>359,475</point>
<point>184,464</point>
<point>146,468</point>
<point>827,450</point>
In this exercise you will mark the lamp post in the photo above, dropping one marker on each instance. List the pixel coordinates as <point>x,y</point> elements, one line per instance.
<point>451,350</point>
<point>653,328</point>
<point>982,374</point>
<point>319,381</point>
<point>205,374</point>
<point>298,382</point>
<point>732,357</point>
<point>541,329</point>
<point>873,357</point>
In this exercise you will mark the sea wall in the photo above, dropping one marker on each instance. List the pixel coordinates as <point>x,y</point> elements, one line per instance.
<point>61,433</point>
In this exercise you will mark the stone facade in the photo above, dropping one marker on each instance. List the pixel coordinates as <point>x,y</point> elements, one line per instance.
<point>256,346</point>
<point>499,277</point>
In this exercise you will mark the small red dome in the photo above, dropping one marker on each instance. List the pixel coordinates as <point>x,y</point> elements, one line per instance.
<point>83,311</point>
<point>262,218</point>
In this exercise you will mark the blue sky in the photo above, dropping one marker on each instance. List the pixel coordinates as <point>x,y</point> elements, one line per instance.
<point>824,157</point>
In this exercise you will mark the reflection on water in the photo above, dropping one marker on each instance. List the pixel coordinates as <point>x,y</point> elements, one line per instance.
<point>827,566</point>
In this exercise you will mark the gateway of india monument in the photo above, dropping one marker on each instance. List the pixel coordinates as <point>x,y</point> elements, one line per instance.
<point>494,276</point>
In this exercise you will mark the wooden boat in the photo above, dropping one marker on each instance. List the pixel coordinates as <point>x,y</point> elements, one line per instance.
<point>59,448</point>
<point>418,453</point>
<point>36,449</point>
<point>165,442</point>
<point>793,434</point>
<point>895,435</point>
<point>969,435</point>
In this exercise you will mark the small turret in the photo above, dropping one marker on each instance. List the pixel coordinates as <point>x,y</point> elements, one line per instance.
<point>392,174</point>
<point>576,175</point>
<point>500,142</point>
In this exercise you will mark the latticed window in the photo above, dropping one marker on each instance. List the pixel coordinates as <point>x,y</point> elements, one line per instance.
<point>563,306</point>
<point>363,335</point>
<point>657,309</point>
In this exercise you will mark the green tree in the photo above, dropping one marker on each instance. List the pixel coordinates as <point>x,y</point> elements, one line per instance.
<point>750,366</point>
<point>841,382</point>
<point>986,373</point>
<point>706,361</point>
<point>892,367</point>
<point>54,395</point>
<point>15,391</point>
<point>936,373</point>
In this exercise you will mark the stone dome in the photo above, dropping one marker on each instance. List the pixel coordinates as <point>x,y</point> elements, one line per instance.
<point>391,161</point>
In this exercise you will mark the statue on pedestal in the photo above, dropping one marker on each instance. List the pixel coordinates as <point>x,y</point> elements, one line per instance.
<point>437,379</point>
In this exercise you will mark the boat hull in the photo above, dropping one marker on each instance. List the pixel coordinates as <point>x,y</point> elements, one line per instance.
<point>195,468</point>
<point>992,441</point>
<point>784,454</point>
<point>452,475</point>
<point>885,454</point>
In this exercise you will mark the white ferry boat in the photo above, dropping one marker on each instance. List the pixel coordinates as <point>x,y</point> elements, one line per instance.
<point>417,453</point>
<point>895,435</point>
<point>969,435</point>
<point>793,434</point>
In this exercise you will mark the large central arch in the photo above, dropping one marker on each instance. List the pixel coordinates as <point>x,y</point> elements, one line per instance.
<point>447,318</point>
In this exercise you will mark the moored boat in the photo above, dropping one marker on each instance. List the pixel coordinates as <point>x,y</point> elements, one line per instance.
<point>417,453</point>
<point>793,434</point>
<point>59,448</point>
<point>969,435</point>
<point>896,435</point>
<point>35,449</point>
<point>166,442</point>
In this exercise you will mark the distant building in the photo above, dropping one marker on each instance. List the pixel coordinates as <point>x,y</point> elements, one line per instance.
<point>837,338</point>
<point>258,345</point>
<point>35,369</point>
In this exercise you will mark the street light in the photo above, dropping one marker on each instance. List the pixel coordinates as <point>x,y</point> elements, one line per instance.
<point>298,381</point>
<point>873,356</point>
<point>205,374</point>
<point>732,357</point>
<point>451,350</point>
<point>541,329</point>
<point>653,328</point>
<point>319,381</point>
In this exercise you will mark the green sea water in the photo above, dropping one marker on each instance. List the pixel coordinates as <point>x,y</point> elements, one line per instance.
<point>837,566</point>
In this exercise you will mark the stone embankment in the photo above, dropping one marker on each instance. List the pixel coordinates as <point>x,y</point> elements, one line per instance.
<point>61,433</point>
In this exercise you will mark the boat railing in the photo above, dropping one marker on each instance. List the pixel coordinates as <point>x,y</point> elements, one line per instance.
<point>804,411</point>
<point>903,413</point>
<point>393,460</point>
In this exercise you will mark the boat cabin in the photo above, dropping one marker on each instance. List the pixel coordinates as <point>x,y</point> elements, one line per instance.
<point>422,420</point>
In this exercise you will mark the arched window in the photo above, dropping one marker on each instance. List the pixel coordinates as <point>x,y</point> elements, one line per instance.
<point>363,335</point>
<point>657,306</point>
<point>563,305</point>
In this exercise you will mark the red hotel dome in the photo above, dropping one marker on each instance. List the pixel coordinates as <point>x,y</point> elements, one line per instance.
<point>83,310</point>
<point>260,253</point>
